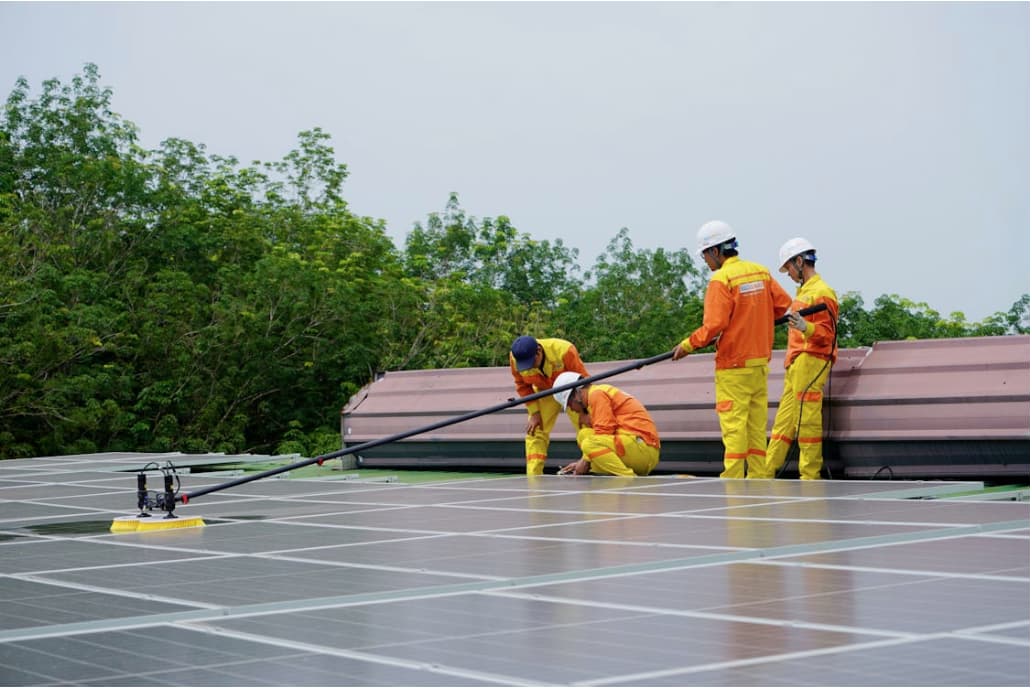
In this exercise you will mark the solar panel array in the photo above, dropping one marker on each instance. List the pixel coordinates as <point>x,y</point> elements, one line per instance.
<point>509,580</point>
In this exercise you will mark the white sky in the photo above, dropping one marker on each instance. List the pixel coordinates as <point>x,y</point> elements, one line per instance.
<point>895,136</point>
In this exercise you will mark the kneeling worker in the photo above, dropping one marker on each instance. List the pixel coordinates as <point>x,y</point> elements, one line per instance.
<point>616,435</point>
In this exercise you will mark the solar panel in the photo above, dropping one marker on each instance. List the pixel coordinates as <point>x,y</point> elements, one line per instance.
<point>510,580</point>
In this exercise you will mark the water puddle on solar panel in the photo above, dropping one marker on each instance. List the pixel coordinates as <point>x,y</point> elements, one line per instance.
<point>71,528</point>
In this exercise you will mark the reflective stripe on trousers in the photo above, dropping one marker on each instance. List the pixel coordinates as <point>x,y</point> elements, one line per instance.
<point>804,382</point>
<point>625,454</point>
<point>537,443</point>
<point>742,410</point>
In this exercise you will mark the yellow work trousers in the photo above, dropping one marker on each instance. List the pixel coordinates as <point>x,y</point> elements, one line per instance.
<point>632,457</point>
<point>742,410</point>
<point>800,410</point>
<point>537,442</point>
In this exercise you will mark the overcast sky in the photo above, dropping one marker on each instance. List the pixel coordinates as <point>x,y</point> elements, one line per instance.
<point>895,136</point>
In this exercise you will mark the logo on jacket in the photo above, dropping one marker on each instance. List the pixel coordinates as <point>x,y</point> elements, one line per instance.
<point>750,287</point>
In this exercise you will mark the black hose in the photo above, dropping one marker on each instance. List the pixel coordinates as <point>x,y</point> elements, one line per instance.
<point>799,420</point>
<point>892,476</point>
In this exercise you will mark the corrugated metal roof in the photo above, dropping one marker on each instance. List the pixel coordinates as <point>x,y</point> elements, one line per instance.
<point>919,391</point>
<point>946,388</point>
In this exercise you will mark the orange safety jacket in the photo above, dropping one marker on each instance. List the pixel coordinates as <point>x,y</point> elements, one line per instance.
<point>612,409</point>
<point>742,301</point>
<point>819,338</point>
<point>560,356</point>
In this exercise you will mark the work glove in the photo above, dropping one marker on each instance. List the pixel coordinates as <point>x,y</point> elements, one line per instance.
<point>795,320</point>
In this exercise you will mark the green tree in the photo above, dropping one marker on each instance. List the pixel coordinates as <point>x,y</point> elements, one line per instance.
<point>172,299</point>
<point>492,253</point>
<point>637,302</point>
<point>894,318</point>
<point>473,285</point>
<point>71,176</point>
<point>1016,317</point>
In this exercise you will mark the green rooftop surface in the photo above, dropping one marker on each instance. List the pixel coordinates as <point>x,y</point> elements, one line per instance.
<point>332,470</point>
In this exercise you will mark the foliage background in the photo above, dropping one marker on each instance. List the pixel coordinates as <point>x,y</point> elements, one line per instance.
<point>171,299</point>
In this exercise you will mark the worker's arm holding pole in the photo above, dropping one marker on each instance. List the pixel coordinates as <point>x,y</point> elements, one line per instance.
<point>803,312</point>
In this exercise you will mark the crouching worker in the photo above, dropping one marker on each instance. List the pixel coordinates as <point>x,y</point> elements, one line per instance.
<point>535,364</point>
<point>616,435</point>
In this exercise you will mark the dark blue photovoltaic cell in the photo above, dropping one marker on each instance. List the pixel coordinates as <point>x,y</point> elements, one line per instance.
<point>509,580</point>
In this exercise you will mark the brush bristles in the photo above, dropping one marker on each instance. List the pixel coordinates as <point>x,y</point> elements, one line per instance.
<point>140,525</point>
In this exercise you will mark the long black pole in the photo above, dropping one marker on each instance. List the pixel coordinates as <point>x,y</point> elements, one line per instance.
<point>634,365</point>
<point>426,428</point>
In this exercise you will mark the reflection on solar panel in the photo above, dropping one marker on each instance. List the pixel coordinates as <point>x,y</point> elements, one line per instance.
<point>509,580</point>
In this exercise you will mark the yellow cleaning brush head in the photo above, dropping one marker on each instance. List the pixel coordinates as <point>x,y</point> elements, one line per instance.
<point>135,524</point>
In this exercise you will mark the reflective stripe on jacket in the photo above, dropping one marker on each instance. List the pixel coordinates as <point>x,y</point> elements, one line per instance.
<point>819,338</point>
<point>560,356</point>
<point>742,301</point>
<point>612,409</point>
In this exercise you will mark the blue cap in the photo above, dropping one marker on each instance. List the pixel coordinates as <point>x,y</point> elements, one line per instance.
<point>524,351</point>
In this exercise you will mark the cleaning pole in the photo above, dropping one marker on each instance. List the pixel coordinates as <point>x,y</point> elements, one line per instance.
<point>185,498</point>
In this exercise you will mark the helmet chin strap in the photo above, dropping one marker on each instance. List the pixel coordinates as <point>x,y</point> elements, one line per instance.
<point>798,276</point>
<point>575,396</point>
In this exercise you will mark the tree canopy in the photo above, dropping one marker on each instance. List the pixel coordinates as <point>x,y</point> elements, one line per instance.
<point>173,299</point>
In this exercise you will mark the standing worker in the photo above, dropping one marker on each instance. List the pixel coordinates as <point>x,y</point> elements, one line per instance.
<point>811,353</point>
<point>742,302</point>
<point>616,436</point>
<point>535,364</point>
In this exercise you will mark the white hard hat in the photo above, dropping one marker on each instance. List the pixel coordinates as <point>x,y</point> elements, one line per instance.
<point>792,248</point>
<point>714,233</point>
<point>564,379</point>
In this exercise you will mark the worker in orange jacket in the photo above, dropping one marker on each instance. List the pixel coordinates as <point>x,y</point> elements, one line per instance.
<point>616,436</point>
<point>535,364</point>
<point>812,348</point>
<point>742,302</point>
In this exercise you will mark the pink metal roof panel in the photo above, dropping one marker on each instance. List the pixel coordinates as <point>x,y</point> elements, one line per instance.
<point>922,389</point>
